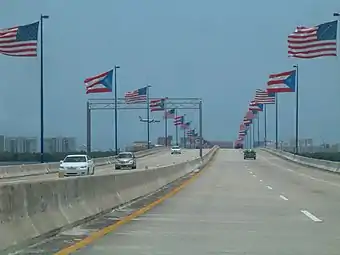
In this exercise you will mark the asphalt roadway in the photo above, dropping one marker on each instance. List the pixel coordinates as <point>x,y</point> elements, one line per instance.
<point>162,158</point>
<point>259,207</point>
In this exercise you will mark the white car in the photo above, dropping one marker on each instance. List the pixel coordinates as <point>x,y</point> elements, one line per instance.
<point>176,150</point>
<point>75,165</point>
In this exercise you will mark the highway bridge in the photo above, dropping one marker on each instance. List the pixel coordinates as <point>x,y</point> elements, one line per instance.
<point>228,205</point>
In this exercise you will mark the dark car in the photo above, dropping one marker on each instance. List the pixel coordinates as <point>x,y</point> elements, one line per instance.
<point>249,154</point>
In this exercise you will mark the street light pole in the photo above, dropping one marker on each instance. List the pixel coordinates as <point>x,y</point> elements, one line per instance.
<point>297,110</point>
<point>176,127</point>
<point>148,113</point>
<point>116,111</point>
<point>42,17</point>
<point>183,130</point>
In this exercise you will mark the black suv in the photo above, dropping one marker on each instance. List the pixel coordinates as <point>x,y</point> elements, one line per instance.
<point>249,154</point>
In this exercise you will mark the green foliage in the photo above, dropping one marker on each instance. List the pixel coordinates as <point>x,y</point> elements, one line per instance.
<point>48,157</point>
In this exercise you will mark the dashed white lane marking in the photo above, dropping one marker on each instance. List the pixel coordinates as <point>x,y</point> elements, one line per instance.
<point>283,197</point>
<point>311,216</point>
<point>261,181</point>
<point>302,174</point>
<point>269,187</point>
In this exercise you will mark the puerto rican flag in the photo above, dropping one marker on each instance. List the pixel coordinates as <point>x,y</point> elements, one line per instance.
<point>99,83</point>
<point>282,82</point>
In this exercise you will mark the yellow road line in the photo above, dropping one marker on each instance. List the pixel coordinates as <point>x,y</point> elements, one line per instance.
<point>102,232</point>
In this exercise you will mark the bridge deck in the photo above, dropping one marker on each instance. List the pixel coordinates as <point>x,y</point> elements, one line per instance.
<point>236,207</point>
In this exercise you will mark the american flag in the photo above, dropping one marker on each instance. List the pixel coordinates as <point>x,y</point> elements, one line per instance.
<point>186,125</point>
<point>250,115</point>
<point>20,41</point>
<point>246,121</point>
<point>255,107</point>
<point>170,114</point>
<point>263,97</point>
<point>157,104</point>
<point>241,134</point>
<point>314,42</point>
<point>178,120</point>
<point>242,127</point>
<point>136,96</point>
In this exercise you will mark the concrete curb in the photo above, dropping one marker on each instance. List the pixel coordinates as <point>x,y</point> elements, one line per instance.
<point>32,209</point>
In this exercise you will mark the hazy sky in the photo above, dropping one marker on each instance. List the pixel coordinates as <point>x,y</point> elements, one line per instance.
<point>220,50</point>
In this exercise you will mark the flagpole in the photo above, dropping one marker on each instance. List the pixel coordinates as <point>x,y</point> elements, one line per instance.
<point>148,113</point>
<point>258,129</point>
<point>176,126</point>
<point>183,122</point>
<point>250,136</point>
<point>42,17</point>
<point>253,135</point>
<point>165,125</point>
<point>201,127</point>
<point>184,138</point>
<point>265,124</point>
<point>245,140</point>
<point>276,121</point>
<point>116,111</point>
<point>297,110</point>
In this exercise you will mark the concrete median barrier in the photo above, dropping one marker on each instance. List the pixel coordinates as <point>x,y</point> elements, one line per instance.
<point>305,161</point>
<point>15,171</point>
<point>32,210</point>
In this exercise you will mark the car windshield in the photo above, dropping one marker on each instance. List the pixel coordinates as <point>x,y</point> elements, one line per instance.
<point>175,147</point>
<point>125,155</point>
<point>75,159</point>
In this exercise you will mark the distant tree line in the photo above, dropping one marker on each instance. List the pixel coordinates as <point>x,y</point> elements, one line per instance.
<point>48,157</point>
<point>331,156</point>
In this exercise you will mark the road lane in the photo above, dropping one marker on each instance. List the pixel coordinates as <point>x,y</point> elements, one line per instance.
<point>316,190</point>
<point>227,210</point>
<point>155,160</point>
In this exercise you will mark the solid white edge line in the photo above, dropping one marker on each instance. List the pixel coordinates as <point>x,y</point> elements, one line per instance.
<point>283,197</point>
<point>311,216</point>
<point>269,187</point>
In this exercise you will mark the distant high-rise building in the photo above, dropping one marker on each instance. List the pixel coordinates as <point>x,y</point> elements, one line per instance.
<point>2,143</point>
<point>20,144</point>
<point>69,144</point>
<point>30,144</point>
<point>60,144</point>
<point>161,140</point>
<point>11,144</point>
